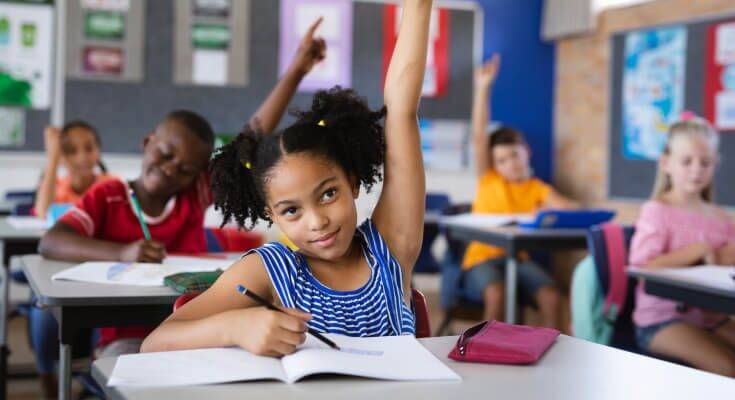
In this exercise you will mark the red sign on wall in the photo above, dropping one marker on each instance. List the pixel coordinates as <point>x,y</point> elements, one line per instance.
<point>719,100</point>
<point>436,78</point>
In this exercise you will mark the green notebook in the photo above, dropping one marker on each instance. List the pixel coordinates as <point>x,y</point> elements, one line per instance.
<point>192,282</point>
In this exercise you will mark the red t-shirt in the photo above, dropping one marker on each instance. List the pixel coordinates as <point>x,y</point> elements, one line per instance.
<point>106,212</point>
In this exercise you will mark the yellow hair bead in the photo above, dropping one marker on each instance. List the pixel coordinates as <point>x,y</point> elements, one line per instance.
<point>247,164</point>
<point>322,123</point>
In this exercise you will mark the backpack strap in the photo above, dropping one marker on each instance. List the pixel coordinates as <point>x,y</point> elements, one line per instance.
<point>616,261</point>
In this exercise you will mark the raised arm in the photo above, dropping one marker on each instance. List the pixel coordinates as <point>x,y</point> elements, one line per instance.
<point>47,189</point>
<point>311,51</point>
<point>399,214</point>
<point>484,80</point>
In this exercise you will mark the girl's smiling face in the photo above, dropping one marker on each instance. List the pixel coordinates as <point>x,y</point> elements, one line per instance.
<point>313,202</point>
<point>80,150</point>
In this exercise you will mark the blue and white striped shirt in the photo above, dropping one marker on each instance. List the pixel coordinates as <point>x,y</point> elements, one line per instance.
<point>375,309</point>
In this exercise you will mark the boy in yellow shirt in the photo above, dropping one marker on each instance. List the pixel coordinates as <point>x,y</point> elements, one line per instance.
<point>506,186</point>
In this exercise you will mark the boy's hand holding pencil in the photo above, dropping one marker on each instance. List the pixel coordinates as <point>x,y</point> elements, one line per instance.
<point>143,251</point>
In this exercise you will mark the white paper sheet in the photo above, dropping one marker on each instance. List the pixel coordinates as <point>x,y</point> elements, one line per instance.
<point>392,358</point>
<point>487,220</point>
<point>210,67</point>
<point>138,274</point>
<point>26,223</point>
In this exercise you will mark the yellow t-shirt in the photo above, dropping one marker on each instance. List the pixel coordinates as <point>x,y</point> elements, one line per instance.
<point>495,195</point>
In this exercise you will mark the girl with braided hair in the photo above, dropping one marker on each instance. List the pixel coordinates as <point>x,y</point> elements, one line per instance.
<point>346,278</point>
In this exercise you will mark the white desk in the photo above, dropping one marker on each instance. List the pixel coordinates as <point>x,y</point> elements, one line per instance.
<point>78,305</point>
<point>572,369</point>
<point>712,288</point>
<point>13,242</point>
<point>513,239</point>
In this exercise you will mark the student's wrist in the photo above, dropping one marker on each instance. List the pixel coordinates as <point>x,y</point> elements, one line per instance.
<point>232,329</point>
<point>297,70</point>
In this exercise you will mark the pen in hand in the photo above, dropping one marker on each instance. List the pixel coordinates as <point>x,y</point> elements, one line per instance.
<point>263,302</point>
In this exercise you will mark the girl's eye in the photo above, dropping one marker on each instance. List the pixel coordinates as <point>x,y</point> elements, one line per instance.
<point>291,211</point>
<point>329,194</point>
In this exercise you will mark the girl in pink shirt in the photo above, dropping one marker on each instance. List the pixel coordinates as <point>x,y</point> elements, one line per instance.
<point>681,227</point>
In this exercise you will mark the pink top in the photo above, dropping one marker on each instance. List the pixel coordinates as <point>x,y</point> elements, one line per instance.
<point>662,228</point>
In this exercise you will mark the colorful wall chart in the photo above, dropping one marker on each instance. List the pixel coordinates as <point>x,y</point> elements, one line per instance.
<point>105,39</point>
<point>444,143</point>
<point>336,29</point>
<point>12,126</point>
<point>211,42</point>
<point>436,77</point>
<point>26,53</point>
<point>719,102</point>
<point>653,89</point>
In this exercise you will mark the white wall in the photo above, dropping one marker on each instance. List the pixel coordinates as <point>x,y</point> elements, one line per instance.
<point>22,171</point>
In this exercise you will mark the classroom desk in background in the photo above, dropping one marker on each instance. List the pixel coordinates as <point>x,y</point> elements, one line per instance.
<point>13,242</point>
<point>712,289</point>
<point>572,369</point>
<point>78,305</point>
<point>513,239</point>
<point>6,207</point>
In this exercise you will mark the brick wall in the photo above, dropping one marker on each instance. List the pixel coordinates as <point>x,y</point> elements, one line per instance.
<point>582,96</point>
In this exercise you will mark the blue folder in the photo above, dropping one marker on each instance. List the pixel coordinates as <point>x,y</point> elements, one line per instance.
<point>569,219</point>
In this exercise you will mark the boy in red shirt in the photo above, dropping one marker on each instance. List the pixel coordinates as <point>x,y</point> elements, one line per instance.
<point>173,191</point>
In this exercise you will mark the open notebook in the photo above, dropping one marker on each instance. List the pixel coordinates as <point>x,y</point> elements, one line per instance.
<point>400,358</point>
<point>139,274</point>
<point>488,220</point>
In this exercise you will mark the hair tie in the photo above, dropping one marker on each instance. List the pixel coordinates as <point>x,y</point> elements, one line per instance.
<point>687,115</point>
<point>321,123</point>
<point>246,164</point>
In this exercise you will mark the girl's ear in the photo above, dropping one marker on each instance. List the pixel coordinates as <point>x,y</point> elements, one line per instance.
<point>355,186</point>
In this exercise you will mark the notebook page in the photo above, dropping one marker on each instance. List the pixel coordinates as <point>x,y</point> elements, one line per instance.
<point>137,274</point>
<point>26,223</point>
<point>193,367</point>
<point>487,220</point>
<point>400,358</point>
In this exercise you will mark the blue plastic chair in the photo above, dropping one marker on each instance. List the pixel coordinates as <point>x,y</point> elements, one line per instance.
<point>23,200</point>
<point>426,262</point>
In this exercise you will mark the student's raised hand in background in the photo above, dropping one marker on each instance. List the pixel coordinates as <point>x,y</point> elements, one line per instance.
<point>311,50</point>
<point>486,73</point>
<point>52,142</point>
<point>143,251</point>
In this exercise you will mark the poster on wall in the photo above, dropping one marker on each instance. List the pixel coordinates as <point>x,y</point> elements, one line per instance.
<point>719,102</point>
<point>12,127</point>
<point>211,42</point>
<point>653,89</point>
<point>436,76</point>
<point>105,39</point>
<point>336,29</point>
<point>26,53</point>
<point>444,143</point>
<point>212,8</point>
